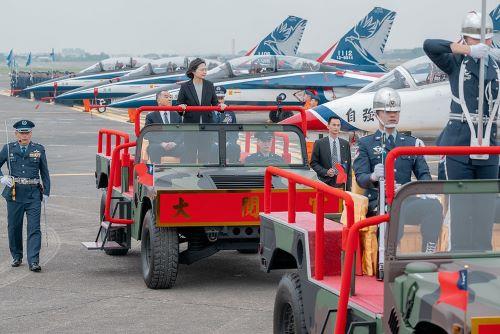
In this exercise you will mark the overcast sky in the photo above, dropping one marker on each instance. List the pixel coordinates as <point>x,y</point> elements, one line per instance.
<point>196,26</point>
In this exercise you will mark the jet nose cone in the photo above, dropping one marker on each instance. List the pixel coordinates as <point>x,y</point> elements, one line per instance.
<point>313,122</point>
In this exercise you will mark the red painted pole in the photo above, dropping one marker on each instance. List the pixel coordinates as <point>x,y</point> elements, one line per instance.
<point>115,166</point>
<point>268,182</point>
<point>302,111</point>
<point>99,141</point>
<point>319,242</point>
<point>345,283</point>
<point>292,190</point>
<point>108,144</point>
<point>429,150</point>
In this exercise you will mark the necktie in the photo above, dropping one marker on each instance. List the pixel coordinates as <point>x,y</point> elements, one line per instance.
<point>335,160</point>
<point>390,143</point>
<point>23,149</point>
<point>165,118</point>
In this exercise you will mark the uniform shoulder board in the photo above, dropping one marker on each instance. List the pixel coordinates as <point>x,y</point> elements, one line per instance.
<point>40,146</point>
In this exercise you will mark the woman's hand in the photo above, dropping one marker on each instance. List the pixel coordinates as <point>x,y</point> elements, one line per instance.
<point>183,106</point>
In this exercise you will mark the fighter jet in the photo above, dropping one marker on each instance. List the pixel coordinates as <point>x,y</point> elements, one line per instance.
<point>425,99</point>
<point>154,75</point>
<point>262,79</point>
<point>268,79</point>
<point>364,44</point>
<point>104,70</point>
<point>157,73</point>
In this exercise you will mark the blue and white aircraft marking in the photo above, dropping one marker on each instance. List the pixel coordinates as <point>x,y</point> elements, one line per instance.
<point>284,40</point>
<point>364,44</point>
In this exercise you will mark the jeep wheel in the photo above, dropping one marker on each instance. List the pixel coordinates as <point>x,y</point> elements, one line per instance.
<point>159,254</point>
<point>117,235</point>
<point>288,308</point>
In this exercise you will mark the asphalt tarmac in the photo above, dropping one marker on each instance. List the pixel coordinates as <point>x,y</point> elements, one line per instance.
<point>80,291</point>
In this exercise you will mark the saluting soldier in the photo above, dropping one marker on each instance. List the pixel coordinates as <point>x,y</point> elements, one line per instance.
<point>462,63</point>
<point>26,186</point>
<point>369,168</point>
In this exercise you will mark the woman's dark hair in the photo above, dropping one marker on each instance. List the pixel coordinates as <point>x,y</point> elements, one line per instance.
<point>193,65</point>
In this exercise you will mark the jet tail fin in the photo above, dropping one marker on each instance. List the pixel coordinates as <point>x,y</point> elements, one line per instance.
<point>284,40</point>
<point>363,45</point>
<point>495,16</point>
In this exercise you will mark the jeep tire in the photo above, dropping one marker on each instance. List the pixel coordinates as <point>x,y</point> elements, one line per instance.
<point>288,307</point>
<point>159,254</point>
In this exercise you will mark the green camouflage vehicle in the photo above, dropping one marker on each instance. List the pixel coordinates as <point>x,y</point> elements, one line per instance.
<point>186,196</point>
<point>454,289</point>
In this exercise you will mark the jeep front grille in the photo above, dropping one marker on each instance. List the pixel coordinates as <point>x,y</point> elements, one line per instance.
<point>238,181</point>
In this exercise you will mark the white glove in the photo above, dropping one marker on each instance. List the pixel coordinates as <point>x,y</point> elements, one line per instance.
<point>378,172</point>
<point>6,180</point>
<point>45,199</point>
<point>479,51</point>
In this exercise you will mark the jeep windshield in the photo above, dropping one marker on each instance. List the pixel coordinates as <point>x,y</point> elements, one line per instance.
<point>182,145</point>
<point>447,219</point>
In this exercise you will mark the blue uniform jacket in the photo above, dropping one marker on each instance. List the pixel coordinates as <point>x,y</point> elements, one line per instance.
<point>227,117</point>
<point>456,132</point>
<point>32,164</point>
<point>370,154</point>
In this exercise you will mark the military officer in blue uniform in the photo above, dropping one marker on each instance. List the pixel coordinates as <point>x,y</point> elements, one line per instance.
<point>26,186</point>
<point>369,168</point>
<point>462,62</point>
<point>226,117</point>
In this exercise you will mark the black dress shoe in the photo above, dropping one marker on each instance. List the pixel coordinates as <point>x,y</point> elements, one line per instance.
<point>16,262</point>
<point>35,267</point>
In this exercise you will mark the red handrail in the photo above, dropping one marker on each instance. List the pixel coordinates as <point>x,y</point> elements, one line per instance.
<point>301,110</point>
<point>345,283</point>
<point>286,146</point>
<point>116,163</point>
<point>429,150</point>
<point>321,189</point>
<point>118,135</point>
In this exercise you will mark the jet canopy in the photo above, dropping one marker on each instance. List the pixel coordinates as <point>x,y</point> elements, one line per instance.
<point>160,66</point>
<point>262,64</point>
<point>165,66</point>
<point>113,64</point>
<point>414,73</point>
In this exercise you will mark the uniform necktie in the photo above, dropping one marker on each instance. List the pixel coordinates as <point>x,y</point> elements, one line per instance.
<point>23,149</point>
<point>335,160</point>
<point>390,143</point>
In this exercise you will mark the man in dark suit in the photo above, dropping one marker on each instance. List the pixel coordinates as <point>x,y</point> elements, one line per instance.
<point>167,143</point>
<point>329,151</point>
